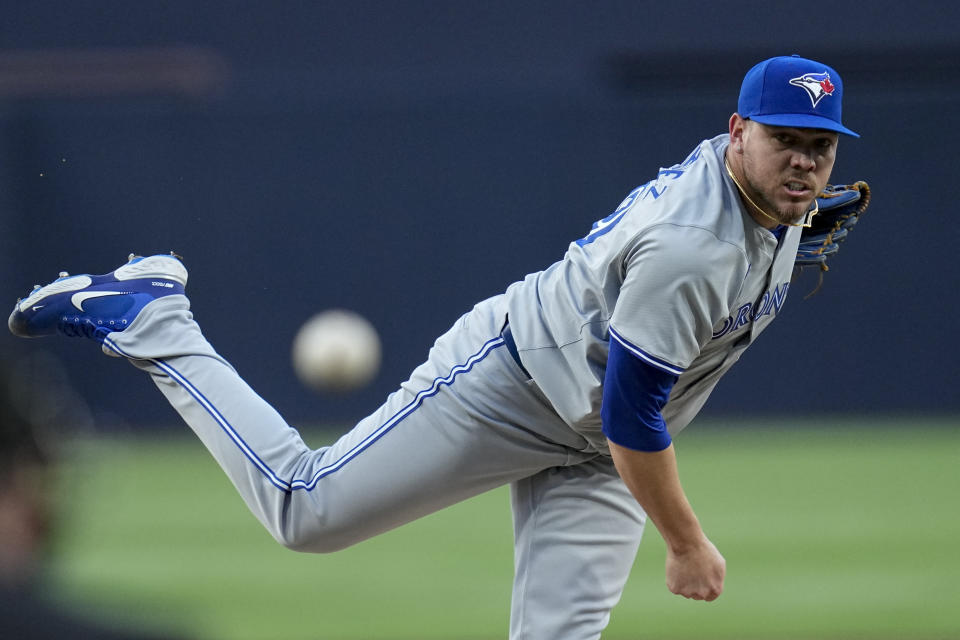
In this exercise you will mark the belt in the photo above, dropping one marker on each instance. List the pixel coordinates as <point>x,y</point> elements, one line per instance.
<point>512,348</point>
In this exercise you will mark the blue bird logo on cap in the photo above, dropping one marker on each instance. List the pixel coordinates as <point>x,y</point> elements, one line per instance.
<point>817,85</point>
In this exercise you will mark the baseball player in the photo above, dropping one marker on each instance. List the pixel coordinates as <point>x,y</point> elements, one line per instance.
<point>569,387</point>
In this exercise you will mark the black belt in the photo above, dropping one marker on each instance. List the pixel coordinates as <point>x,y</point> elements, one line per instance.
<point>512,348</point>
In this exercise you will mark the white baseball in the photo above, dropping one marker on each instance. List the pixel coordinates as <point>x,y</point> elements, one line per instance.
<point>336,350</point>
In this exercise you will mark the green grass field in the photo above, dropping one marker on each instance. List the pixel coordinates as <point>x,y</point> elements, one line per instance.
<point>830,531</point>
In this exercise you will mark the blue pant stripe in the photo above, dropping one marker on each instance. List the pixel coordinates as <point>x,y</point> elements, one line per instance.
<point>398,417</point>
<point>310,484</point>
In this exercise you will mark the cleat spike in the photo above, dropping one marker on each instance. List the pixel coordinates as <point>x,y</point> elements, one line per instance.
<point>63,274</point>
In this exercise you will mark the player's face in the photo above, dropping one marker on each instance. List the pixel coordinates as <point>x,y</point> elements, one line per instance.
<point>785,168</point>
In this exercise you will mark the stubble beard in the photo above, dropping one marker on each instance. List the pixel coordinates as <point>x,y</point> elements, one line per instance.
<point>783,215</point>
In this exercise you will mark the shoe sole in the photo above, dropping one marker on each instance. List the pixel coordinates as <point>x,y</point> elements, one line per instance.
<point>166,267</point>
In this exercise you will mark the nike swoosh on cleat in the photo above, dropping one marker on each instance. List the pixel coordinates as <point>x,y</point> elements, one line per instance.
<point>79,298</point>
<point>38,306</point>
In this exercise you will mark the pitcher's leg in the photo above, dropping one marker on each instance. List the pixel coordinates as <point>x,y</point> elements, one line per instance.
<point>454,430</point>
<point>576,530</point>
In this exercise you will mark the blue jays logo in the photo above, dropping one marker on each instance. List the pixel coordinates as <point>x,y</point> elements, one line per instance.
<point>817,85</point>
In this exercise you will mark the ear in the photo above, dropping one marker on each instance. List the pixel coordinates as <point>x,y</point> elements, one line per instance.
<point>737,126</point>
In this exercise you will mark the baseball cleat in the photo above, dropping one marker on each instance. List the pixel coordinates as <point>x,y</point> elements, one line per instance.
<point>95,306</point>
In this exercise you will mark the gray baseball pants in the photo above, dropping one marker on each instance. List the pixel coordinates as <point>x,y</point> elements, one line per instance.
<point>466,421</point>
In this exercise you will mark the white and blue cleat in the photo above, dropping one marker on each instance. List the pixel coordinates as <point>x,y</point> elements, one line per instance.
<point>95,306</point>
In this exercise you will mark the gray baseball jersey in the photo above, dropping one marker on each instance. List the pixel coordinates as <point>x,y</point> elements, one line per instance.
<point>680,271</point>
<point>679,275</point>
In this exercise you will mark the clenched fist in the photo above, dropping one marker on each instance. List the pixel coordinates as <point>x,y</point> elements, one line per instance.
<point>696,572</point>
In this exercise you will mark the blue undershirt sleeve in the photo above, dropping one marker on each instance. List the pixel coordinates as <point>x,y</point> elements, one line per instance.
<point>635,390</point>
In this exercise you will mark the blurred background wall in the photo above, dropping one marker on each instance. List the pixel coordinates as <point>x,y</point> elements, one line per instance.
<point>406,159</point>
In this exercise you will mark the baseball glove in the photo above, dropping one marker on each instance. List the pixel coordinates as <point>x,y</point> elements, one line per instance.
<point>840,207</point>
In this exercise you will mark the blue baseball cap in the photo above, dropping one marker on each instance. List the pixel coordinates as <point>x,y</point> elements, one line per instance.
<point>790,91</point>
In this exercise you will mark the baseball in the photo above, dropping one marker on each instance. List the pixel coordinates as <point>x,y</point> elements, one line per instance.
<point>336,350</point>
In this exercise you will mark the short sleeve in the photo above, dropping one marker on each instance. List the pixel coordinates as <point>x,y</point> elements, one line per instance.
<point>678,284</point>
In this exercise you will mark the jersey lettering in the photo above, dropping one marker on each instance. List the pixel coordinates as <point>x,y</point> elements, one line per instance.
<point>743,316</point>
<point>771,302</point>
<point>600,227</point>
<point>654,189</point>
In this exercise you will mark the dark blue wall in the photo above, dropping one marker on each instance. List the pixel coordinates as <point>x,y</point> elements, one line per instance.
<point>406,159</point>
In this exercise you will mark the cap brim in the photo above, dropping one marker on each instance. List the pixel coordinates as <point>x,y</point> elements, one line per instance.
<point>804,121</point>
